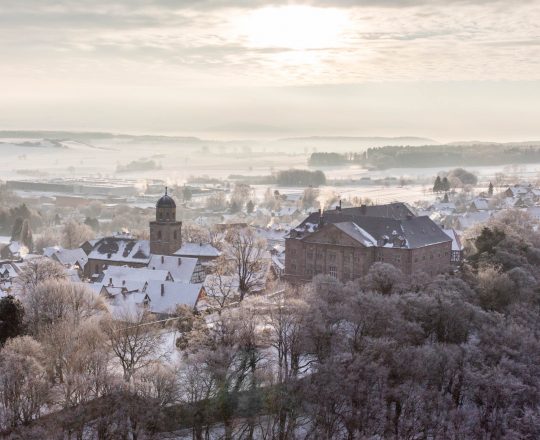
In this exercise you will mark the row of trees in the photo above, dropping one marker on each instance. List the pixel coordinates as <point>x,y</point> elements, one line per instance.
<point>300,178</point>
<point>456,178</point>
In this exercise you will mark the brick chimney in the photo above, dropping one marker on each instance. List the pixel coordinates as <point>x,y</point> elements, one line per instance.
<point>321,219</point>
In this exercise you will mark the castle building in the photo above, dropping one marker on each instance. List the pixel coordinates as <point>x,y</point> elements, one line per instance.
<point>344,243</point>
<point>165,231</point>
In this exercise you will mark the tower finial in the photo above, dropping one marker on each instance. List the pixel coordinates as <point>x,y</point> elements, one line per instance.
<point>165,190</point>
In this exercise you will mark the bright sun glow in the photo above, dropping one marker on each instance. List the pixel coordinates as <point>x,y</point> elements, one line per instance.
<point>295,27</point>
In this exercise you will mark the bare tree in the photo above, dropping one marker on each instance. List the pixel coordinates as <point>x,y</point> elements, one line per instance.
<point>221,286</point>
<point>38,270</point>
<point>48,237</point>
<point>384,278</point>
<point>134,341</point>
<point>78,361</point>
<point>246,251</point>
<point>24,389</point>
<point>74,234</point>
<point>158,383</point>
<point>53,301</point>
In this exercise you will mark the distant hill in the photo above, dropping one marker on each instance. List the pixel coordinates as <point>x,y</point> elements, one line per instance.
<point>88,136</point>
<point>351,143</point>
<point>401,140</point>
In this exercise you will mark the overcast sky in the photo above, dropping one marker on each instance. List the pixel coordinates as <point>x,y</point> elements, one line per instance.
<point>453,69</point>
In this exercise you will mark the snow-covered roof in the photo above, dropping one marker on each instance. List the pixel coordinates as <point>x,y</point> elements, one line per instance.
<point>118,274</point>
<point>456,241</point>
<point>8,270</point>
<point>357,233</point>
<point>519,189</point>
<point>164,297</point>
<point>120,304</point>
<point>472,218</point>
<point>480,203</point>
<point>181,268</point>
<point>197,250</point>
<point>534,211</point>
<point>413,232</point>
<point>67,257</point>
<point>73,275</point>
<point>442,206</point>
<point>121,249</point>
<point>5,239</point>
<point>278,263</point>
<point>17,248</point>
<point>286,211</point>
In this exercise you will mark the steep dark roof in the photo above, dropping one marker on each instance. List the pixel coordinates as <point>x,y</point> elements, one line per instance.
<point>416,231</point>
<point>121,249</point>
<point>391,210</point>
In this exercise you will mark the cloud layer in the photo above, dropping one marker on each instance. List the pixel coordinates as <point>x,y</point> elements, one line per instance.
<point>94,51</point>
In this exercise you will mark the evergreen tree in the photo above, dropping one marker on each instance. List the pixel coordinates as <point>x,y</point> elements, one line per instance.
<point>445,199</point>
<point>17,229</point>
<point>437,186</point>
<point>187,193</point>
<point>490,189</point>
<point>92,222</point>
<point>445,184</point>
<point>25,236</point>
<point>11,318</point>
<point>234,207</point>
<point>250,207</point>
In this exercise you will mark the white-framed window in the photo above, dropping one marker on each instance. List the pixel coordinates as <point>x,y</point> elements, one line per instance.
<point>332,271</point>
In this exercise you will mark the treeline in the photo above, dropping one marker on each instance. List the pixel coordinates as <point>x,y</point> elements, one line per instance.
<point>432,156</point>
<point>304,178</point>
<point>292,177</point>
<point>138,165</point>
<point>12,219</point>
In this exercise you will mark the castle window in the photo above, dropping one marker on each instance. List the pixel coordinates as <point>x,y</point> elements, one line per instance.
<point>175,235</point>
<point>332,271</point>
<point>159,235</point>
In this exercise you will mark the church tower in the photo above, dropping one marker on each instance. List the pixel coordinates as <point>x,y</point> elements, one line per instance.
<point>165,231</point>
